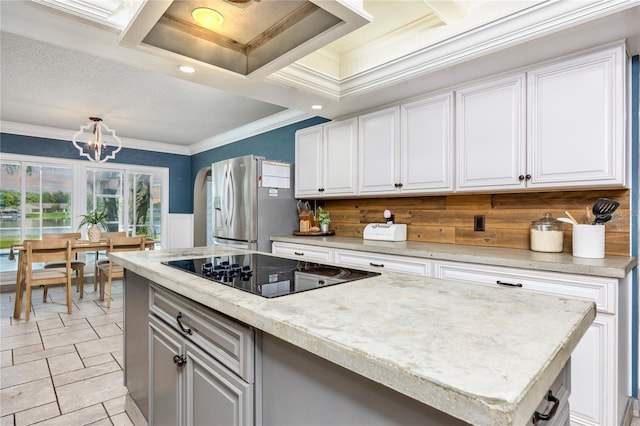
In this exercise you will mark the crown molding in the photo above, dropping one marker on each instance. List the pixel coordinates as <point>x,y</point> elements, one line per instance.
<point>66,135</point>
<point>257,127</point>
<point>538,21</point>
<point>272,122</point>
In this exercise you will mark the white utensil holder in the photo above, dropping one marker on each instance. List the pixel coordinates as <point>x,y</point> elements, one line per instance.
<point>588,241</point>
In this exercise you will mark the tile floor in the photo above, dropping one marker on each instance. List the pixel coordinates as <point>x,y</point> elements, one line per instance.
<point>59,368</point>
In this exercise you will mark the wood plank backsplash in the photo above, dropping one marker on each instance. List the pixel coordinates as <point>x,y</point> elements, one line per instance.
<point>449,218</point>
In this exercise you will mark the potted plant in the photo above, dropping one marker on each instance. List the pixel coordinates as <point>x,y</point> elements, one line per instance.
<point>323,219</point>
<point>94,220</point>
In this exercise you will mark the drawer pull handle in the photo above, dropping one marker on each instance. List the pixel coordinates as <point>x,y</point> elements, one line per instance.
<point>297,253</point>
<point>377,265</point>
<point>184,330</point>
<point>179,360</point>
<point>508,284</point>
<point>539,416</point>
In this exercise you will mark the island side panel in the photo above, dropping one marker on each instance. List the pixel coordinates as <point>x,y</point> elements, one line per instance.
<point>301,388</point>
<point>136,340</point>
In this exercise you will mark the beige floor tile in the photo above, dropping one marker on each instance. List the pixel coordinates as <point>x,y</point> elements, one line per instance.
<point>6,358</point>
<point>103,422</point>
<point>24,373</point>
<point>121,420</point>
<point>82,416</point>
<point>65,363</point>
<point>98,359</point>
<point>102,346</point>
<point>115,406</point>
<point>109,318</point>
<point>37,414</point>
<point>108,330</point>
<point>28,349</point>
<point>119,357</point>
<point>18,329</point>
<point>81,325</point>
<point>7,420</point>
<point>635,421</point>
<point>86,373</point>
<point>50,323</point>
<point>6,319</point>
<point>95,390</point>
<point>29,395</point>
<point>71,338</point>
<point>70,322</point>
<point>40,354</point>
<point>18,341</point>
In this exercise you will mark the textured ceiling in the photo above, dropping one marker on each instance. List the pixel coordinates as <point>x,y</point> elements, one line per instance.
<point>51,86</point>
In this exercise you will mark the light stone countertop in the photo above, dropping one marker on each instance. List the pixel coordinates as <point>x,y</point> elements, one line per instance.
<point>485,355</point>
<point>610,266</point>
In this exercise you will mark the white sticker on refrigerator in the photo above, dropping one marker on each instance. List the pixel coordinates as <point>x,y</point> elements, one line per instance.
<point>276,175</point>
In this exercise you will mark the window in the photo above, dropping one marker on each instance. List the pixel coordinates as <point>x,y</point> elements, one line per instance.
<point>40,195</point>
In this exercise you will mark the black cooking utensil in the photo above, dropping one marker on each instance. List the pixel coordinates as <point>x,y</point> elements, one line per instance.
<point>603,208</point>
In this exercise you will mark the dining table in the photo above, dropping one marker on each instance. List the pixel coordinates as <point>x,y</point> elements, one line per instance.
<point>79,246</point>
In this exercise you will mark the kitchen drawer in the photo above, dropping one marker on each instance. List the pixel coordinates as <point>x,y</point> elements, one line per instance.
<point>230,342</point>
<point>602,291</point>
<point>380,262</point>
<point>304,252</point>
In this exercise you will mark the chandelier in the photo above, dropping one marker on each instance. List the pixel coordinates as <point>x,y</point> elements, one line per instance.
<point>102,143</point>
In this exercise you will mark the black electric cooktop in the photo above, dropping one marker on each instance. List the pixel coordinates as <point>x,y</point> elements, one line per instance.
<point>268,276</point>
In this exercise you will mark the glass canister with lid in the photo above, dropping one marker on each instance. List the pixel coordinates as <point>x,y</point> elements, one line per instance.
<point>547,234</point>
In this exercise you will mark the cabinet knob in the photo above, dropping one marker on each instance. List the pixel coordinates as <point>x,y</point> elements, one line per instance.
<point>320,189</point>
<point>396,185</point>
<point>400,185</point>
<point>179,360</point>
<point>524,177</point>
<point>521,178</point>
<point>528,177</point>
<point>377,265</point>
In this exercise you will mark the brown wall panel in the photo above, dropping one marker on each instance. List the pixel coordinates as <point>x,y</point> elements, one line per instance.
<point>449,219</point>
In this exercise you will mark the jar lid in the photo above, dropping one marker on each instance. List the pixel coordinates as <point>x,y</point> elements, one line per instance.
<point>546,219</point>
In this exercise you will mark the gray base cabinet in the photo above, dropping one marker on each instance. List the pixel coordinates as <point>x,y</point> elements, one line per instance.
<point>193,389</point>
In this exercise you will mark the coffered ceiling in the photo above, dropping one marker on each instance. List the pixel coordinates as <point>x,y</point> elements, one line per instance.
<point>270,61</point>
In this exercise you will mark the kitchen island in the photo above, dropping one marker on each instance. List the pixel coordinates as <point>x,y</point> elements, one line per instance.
<point>481,356</point>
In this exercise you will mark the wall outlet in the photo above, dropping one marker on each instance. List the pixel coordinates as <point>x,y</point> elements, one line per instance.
<point>478,223</point>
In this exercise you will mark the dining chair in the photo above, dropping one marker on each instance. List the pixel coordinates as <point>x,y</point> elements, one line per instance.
<point>108,270</point>
<point>96,264</point>
<point>38,251</point>
<point>76,265</point>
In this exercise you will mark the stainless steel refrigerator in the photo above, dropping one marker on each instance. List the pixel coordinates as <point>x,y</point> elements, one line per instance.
<point>252,199</point>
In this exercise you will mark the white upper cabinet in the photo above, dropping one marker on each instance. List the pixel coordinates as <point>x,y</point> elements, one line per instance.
<point>326,160</point>
<point>308,167</point>
<point>490,135</point>
<point>426,145</point>
<point>407,149</point>
<point>378,137</point>
<point>571,136</point>
<point>576,121</point>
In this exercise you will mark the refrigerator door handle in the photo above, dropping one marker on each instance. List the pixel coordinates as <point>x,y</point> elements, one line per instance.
<point>231,199</point>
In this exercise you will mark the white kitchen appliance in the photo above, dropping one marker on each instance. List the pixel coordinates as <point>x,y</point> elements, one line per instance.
<point>385,232</point>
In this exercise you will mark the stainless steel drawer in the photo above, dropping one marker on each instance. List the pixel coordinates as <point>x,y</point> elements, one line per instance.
<point>230,342</point>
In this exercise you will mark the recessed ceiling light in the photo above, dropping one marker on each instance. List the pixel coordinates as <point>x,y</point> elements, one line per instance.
<point>316,106</point>
<point>208,18</point>
<point>187,69</point>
